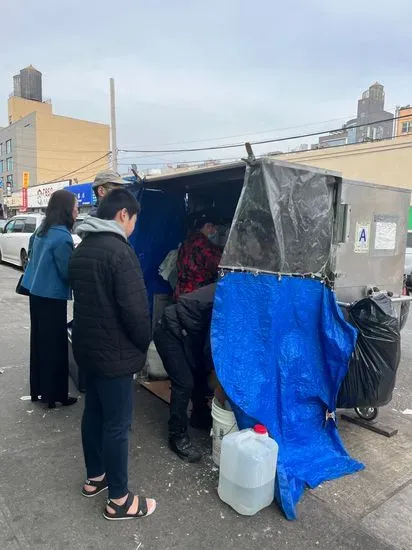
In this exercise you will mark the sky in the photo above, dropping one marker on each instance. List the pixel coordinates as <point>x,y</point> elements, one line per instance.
<point>192,73</point>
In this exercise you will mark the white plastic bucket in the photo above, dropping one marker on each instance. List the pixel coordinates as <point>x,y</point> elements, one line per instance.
<point>224,423</point>
<point>155,366</point>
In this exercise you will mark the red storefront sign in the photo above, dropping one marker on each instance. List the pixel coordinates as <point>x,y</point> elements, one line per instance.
<point>24,199</point>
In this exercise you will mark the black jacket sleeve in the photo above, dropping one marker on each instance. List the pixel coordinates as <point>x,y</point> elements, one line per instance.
<point>131,298</point>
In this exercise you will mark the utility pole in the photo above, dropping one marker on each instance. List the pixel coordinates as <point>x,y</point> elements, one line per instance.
<point>113,124</point>
<point>395,121</point>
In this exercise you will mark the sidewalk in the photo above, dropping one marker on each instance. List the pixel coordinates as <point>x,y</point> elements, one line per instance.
<point>41,472</point>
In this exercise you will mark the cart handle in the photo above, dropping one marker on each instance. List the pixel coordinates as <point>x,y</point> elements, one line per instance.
<point>397,299</point>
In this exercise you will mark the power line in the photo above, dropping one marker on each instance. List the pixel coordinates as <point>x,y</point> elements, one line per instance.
<point>36,149</point>
<point>31,164</point>
<point>48,150</point>
<point>200,161</point>
<point>91,175</point>
<point>393,108</point>
<point>381,144</point>
<point>78,169</point>
<point>83,178</point>
<point>256,133</point>
<point>263,141</point>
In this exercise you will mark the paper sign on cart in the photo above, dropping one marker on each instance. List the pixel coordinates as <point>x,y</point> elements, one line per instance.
<point>385,238</point>
<point>362,237</point>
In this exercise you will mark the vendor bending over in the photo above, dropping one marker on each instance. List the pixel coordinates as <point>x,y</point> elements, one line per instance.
<point>199,256</point>
<point>182,340</point>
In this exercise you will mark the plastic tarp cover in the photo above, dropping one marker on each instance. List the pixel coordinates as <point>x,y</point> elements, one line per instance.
<point>372,371</point>
<point>281,349</point>
<point>284,220</point>
<point>159,229</point>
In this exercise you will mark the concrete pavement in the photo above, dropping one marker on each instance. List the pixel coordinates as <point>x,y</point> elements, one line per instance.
<point>41,472</point>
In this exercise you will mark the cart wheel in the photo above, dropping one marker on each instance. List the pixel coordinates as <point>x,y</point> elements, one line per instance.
<point>367,413</point>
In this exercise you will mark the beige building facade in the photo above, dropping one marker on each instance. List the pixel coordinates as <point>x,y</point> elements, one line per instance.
<point>52,147</point>
<point>386,162</point>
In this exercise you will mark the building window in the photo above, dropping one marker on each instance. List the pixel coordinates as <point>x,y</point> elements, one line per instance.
<point>379,132</point>
<point>9,164</point>
<point>1,149</point>
<point>1,166</point>
<point>8,147</point>
<point>407,127</point>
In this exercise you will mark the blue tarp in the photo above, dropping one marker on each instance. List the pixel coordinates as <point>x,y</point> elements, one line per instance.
<point>281,350</point>
<point>159,229</point>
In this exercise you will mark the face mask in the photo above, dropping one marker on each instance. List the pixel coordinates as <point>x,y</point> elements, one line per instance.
<point>214,238</point>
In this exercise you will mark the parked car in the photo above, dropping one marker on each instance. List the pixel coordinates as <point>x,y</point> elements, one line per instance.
<point>15,236</point>
<point>407,280</point>
<point>408,261</point>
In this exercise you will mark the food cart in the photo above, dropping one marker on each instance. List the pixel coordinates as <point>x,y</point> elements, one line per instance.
<point>303,243</point>
<point>365,238</point>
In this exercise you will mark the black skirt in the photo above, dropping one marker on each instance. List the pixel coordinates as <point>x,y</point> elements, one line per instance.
<point>49,363</point>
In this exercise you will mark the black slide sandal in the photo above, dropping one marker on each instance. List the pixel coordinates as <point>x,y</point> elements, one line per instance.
<point>120,512</point>
<point>99,487</point>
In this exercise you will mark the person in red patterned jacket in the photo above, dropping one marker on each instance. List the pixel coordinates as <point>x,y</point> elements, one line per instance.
<point>199,256</point>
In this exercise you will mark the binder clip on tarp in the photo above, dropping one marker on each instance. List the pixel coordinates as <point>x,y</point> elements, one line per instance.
<point>372,370</point>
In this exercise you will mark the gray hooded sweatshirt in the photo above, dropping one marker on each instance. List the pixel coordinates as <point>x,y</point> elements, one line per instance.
<point>97,225</point>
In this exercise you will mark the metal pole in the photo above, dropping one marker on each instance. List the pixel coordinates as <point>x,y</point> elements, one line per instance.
<point>113,124</point>
<point>2,201</point>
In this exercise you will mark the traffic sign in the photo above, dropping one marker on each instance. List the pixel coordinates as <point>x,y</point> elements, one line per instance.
<point>26,179</point>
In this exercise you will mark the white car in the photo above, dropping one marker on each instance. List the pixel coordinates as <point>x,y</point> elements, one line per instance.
<point>15,236</point>
<point>408,257</point>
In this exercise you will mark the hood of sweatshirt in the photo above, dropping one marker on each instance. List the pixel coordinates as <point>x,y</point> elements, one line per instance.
<point>97,225</point>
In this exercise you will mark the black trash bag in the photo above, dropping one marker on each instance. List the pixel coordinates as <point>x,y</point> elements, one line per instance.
<point>372,370</point>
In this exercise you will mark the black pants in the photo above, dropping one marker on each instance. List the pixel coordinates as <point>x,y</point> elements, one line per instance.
<point>187,381</point>
<point>105,430</point>
<point>49,362</point>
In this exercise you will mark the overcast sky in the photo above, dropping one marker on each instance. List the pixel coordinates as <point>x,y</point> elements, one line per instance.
<point>188,70</point>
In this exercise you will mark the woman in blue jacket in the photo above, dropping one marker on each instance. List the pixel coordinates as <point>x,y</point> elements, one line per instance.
<point>47,280</point>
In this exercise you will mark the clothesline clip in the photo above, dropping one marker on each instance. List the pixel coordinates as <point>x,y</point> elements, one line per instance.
<point>330,416</point>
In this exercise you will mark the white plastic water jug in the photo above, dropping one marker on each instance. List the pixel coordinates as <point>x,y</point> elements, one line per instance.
<point>247,470</point>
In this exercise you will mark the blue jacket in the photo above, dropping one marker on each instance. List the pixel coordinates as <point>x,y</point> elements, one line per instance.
<point>47,273</point>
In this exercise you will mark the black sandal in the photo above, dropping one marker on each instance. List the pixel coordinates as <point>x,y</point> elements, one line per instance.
<point>99,487</point>
<point>121,511</point>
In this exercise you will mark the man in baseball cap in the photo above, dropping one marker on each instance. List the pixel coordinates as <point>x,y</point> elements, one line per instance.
<point>104,182</point>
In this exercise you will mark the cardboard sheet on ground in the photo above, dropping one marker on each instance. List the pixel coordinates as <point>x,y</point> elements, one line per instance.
<point>281,349</point>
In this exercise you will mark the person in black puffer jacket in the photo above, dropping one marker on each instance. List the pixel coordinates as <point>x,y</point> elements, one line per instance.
<point>182,339</point>
<point>111,335</point>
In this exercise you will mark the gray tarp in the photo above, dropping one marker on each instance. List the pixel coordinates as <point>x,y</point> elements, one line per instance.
<point>284,220</point>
